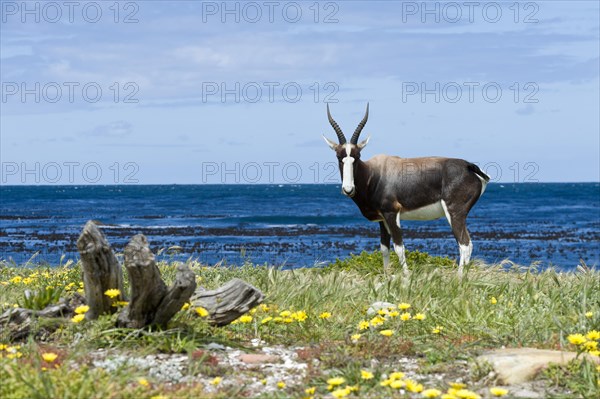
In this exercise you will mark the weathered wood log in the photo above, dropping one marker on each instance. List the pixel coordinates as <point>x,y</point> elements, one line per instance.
<point>227,303</point>
<point>18,323</point>
<point>179,293</point>
<point>101,271</point>
<point>151,302</point>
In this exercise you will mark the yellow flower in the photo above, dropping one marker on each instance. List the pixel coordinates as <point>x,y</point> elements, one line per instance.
<point>16,279</point>
<point>216,381</point>
<point>493,300</point>
<point>143,382</point>
<point>159,397</point>
<point>201,311</point>
<point>593,335</point>
<point>263,381</point>
<point>396,375</point>
<point>341,393</point>
<point>78,318</point>
<point>82,309</point>
<point>310,391</point>
<point>394,313</point>
<point>185,306</point>
<point>325,315</point>
<point>363,325</point>
<point>431,393</point>
<point>299,315</point>
<point>334,382</point>
<point>437,330</point>
<point>590,345</point>
<point>112,293</point>
<point>498,391</point>
<point>589,315</point>
<point>266,320</point>
<point>413,386</point>
<point>49,357</point>
<point>366,375</point>
<point>420,316</point>
<point>245,319</point>
<point>466,394</point>
<point>456,386</point>
<point>285,313</point>
<point>576,339</point>
<point>595,353</point>
<point>3,346</point>
<point>382,312</point>
<point>264,307</point>
<point>355,337</point>
<point>397,384</point>
<point>386,333</point>
<point>281,385</point>
<point>385,383</point>
<point>448,396</point>
<point>405,316</point>
<point>377,320</point>
<point>404,306</point>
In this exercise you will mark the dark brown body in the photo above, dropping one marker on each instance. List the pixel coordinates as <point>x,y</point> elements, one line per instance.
<point>390,184</point>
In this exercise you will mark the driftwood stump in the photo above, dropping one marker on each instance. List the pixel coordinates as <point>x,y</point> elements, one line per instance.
<point>227,303</point>
<point>152,303</point>
<point>101,271</point>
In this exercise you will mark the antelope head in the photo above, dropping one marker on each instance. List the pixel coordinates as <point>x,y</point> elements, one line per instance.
<point>347,154</point>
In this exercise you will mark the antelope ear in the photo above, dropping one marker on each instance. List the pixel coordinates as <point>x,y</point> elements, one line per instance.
<point>330,143</point>
<point>363,143</point>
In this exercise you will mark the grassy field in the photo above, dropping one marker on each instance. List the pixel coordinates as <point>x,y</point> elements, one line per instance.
<point>423,346</point>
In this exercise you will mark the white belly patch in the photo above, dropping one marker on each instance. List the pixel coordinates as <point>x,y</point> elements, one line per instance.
<point>429,212</point>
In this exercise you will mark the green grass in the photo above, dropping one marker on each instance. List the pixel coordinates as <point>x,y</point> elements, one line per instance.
<point>491,307</point>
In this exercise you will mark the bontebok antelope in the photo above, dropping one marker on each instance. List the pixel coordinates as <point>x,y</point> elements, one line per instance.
<point>388,189</point>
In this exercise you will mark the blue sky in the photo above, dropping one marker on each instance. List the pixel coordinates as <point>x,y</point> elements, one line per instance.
<point>199,92</point>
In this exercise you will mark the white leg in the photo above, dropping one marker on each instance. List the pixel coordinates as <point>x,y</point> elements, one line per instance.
<point>402,257</point>
<point>385,251</point>
<point>400,249</point>
<point>465,256</point>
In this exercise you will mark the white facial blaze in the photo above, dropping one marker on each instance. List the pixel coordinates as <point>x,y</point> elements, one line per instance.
<point>348,172</point>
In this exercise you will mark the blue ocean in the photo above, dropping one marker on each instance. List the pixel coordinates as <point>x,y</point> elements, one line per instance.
<point>293,225</point>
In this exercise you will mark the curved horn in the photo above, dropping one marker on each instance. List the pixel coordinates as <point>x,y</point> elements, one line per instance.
<point>359,129</point>
<point>336,127</point>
